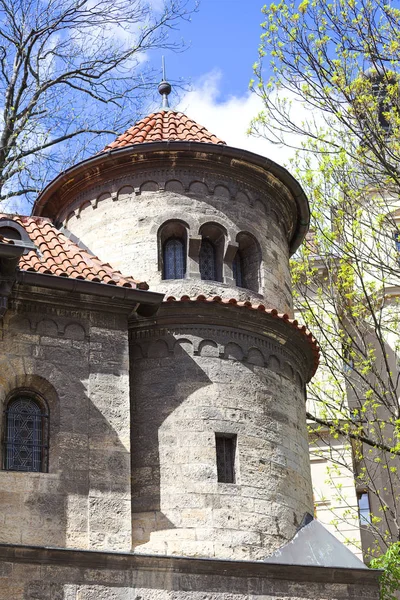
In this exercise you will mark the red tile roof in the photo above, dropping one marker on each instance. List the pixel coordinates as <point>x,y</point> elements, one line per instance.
<point>261,308</point>
<point>162,126</point>
<point>58,255</point>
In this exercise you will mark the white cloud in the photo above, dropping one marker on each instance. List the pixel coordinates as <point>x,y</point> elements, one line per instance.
<point>229,119</point>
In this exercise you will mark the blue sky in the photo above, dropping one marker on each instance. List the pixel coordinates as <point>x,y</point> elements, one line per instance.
<point>222,39</point>
<point>223,35</point>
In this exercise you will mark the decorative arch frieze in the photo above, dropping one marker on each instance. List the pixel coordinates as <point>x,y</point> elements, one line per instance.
<point>222,191</point>
<point>233,351</point>
<point>149,186</point>
<point>255,357</point>
<point>75,331</point>
<point>183,346</point>
<point>18,323</point>
<point>198,187</point>
<point>209,349</point>
<point>48,327</point>
<point>184,181</point>
<point>218,343</point>
<point>175,186</point>
<point>124,193</point>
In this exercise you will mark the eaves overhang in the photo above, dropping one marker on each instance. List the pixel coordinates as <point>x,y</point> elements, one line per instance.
<point>145,303</point>
<point>52,199</point>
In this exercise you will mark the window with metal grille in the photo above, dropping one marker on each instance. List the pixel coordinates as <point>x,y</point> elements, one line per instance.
<point>226,450</point>
<point>25,435</point>
<point>207,260</point>
<point>174,259</point>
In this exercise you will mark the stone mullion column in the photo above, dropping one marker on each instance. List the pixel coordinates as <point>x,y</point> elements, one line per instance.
<point>193,269</point>
<point>109,500</point>
<point>229,256</point>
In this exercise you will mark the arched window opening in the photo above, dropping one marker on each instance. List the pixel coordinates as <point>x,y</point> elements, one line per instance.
<point>237,269</point>
<point>172,249</point>
<point>247,262</point>
<point>207,260</point>
<point>212,251</point>
<point>26,435</point>
<point>174,259</point>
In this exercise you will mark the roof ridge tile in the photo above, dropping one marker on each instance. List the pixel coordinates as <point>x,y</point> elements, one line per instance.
<point>164,126</point>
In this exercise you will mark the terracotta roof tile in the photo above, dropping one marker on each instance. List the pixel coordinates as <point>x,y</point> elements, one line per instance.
<point>58,255</point>
<point>162,126</point>
<point>261,308</point>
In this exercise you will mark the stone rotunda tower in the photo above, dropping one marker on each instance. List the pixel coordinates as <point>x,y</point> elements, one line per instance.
<point>219,450</point>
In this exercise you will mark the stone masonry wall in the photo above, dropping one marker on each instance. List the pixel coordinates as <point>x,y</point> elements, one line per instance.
<point>45,574</point>
<point>77,360</point>
<point>190,382</point>
<point>119,222</point>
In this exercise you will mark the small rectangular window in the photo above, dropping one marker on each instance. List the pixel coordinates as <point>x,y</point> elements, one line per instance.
<point>364,510</point>
<point>225,445</point>
<point>348,358</point>
<point>396,236</point>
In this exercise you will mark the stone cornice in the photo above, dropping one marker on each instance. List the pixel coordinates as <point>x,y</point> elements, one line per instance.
<point>158,155</point>
<point>86,559</point>
<point>212,316</point>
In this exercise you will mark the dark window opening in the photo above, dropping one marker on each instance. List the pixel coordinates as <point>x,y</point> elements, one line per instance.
<point>207,260</point>
<point>396,237</point>
<point>364,509</point>
<point>25,436</point>
<point>174,259</point>
<point>172,239</point>
<point>385,104</point>
<point>226,451</point>
<point>247,262</point>
<point>348,358</point>
<point>237,268</point>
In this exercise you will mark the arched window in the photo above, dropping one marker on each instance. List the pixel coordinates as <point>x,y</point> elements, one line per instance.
<point>174,259</point>
<point>26,434</point>
<point>172,249</point>
<point>207,261</point>
<point>212,251</point>
<point>247,262</point>
<point>237,269</point>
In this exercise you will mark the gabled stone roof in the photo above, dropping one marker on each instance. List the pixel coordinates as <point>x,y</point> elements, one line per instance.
<point>56,254</point>
<point>314,545</point>
<point>164,126</point>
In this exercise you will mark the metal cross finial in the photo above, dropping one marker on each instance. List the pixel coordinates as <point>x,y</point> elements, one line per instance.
<point>164,88</point>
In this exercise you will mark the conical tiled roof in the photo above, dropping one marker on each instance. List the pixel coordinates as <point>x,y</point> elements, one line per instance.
<point>164,126</point>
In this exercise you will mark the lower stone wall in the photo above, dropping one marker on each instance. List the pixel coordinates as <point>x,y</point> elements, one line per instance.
<point>76,360</point>
<point>29,573</point>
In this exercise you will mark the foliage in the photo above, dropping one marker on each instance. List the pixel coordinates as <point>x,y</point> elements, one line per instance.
<point>333,95</point>
<point>390,563</point>
<point>69,70</point>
